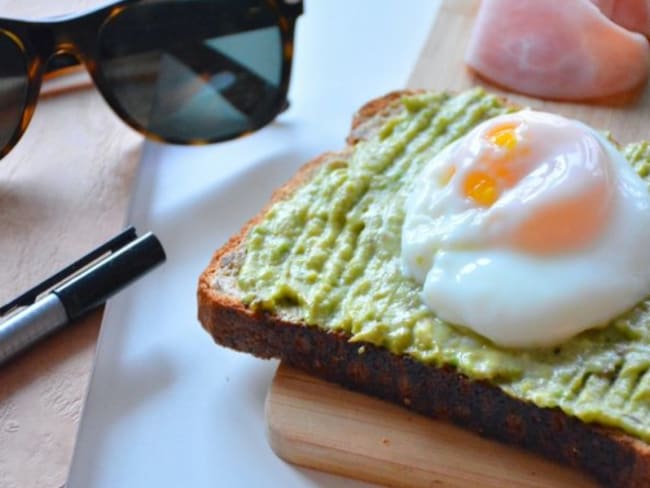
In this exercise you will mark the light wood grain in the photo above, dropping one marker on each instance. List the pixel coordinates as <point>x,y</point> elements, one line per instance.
<point>319,425</point>
<point>63,190</point>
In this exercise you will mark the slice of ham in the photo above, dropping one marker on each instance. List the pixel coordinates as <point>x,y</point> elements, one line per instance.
<point>558,49</point>
<point>631,14</point>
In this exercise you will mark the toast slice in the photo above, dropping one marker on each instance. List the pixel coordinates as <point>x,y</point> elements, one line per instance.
<point>610,455</point>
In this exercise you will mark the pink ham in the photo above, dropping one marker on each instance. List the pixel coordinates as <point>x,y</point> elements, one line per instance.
<point>559,49</point>
<point>631,14</point>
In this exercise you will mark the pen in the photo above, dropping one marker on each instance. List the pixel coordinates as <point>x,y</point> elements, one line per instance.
<point>76,290</point>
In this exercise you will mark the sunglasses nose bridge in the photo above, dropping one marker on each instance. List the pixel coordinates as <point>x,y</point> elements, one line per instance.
<point>63,56</point>
<point>67,53</point>
<point>67,49</point>
<point>69,38</point>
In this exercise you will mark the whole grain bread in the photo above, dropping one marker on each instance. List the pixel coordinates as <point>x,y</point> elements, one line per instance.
<point>611,456</point>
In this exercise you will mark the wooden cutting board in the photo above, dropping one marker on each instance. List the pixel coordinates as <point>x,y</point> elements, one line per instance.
<point>320,425</point>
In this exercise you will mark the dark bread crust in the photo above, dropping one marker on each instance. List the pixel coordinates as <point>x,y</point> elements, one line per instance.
<point>611,456</point>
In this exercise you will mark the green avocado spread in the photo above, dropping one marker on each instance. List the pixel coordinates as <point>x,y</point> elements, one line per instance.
<point>330,256</point>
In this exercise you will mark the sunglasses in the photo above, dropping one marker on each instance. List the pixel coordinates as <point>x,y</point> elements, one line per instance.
<point>180,71</point>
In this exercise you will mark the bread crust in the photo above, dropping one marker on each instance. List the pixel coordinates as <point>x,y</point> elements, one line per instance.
<point>609,455</point>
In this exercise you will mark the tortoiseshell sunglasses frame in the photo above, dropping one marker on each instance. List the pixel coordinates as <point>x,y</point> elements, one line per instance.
<point>75,37</point>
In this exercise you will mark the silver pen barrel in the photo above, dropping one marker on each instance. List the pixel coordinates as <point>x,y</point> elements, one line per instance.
<point>30,325</point>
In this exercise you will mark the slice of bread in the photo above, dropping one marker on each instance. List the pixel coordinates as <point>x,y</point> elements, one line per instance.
<point>611,456</point>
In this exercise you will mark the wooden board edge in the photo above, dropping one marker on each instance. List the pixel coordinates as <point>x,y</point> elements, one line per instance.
<point>308,419</point>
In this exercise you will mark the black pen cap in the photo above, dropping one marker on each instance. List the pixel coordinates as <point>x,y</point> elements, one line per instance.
<point>95,285</point>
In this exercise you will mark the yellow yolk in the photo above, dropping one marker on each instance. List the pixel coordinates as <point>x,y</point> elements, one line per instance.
<point>481,188</point>
<point>563,225</point>
<point>557,225</point>
<point>504,137</point>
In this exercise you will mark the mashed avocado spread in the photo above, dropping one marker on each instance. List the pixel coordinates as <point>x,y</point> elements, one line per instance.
<point>330,256</point>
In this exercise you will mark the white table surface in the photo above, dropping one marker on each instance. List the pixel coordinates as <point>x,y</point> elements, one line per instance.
<point>166,407</point>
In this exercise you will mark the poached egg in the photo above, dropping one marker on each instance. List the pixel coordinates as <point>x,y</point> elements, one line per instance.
<point>529,230</point>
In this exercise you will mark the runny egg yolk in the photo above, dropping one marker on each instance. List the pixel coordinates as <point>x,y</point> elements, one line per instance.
<point>504,136</point>
<point>483,186</point>
<point>514,158</point>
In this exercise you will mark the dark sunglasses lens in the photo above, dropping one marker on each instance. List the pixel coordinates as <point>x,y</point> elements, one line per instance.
<point>194,69</point>
<point>13,88</point>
